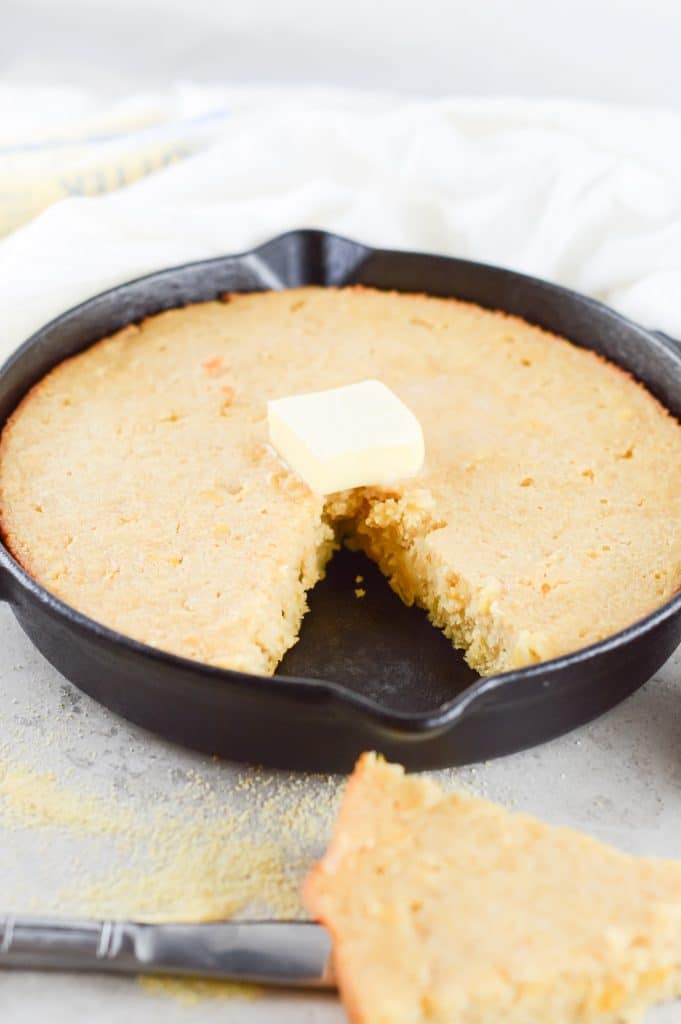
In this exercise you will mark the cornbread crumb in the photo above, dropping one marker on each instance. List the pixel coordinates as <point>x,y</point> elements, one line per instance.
<point>542,521</point>
<point>447,909</point>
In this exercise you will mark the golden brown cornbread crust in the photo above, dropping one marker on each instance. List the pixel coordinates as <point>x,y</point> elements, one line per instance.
<point>447,909</point>
<point>137,484</point>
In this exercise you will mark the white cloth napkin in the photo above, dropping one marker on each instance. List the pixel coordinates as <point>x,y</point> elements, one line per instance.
<point>586,195</point>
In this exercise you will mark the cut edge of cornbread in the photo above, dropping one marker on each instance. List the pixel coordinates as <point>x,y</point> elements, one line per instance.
<point>280,634</point>
<point>391,958</point>
<point>393,531</point>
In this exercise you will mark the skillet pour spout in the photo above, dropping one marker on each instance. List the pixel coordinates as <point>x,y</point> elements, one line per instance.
<point>421,705</point>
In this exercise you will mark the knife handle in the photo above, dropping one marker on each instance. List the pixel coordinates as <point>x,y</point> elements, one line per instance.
<point>288,953</point>
<point>66,945</point>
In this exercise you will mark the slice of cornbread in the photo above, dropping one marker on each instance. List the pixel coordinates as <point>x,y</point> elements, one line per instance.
<point>446,909</point>
<point>137,483</point>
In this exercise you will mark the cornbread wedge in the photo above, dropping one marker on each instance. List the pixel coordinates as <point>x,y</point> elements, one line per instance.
<point>446,909</point>
<point>137,483</point>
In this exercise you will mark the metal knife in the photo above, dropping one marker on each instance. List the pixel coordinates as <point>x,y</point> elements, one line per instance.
<point>288,953</point>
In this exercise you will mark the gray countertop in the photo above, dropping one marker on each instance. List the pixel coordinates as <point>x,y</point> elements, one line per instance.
<point>618,778</point>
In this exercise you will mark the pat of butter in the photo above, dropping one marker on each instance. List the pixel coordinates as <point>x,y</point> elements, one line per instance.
<point>353,436</point>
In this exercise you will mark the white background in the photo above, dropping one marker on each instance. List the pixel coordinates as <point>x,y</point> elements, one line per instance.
<point>615,50</point>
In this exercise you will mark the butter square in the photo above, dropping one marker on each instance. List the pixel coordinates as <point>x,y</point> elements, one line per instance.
<point>354,436</point>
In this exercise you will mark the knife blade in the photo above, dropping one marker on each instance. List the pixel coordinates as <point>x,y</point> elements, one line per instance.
<point>286,953</point>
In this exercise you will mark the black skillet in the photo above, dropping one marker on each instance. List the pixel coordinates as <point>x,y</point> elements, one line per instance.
<point>370,673</point>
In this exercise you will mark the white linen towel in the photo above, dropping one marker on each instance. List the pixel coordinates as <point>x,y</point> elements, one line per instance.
<point>589,196</point>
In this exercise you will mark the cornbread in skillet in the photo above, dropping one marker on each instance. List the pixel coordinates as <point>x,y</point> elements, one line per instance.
<point>447,909</point>
<point>137,484</point>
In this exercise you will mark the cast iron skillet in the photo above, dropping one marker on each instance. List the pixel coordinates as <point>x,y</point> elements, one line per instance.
<point>366,673</point>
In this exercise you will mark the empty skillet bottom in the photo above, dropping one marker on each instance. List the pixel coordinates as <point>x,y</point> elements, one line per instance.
<point>397,533</point>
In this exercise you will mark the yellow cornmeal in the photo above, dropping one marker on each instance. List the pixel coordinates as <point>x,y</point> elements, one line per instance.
<point>30,799</point>
<point>204,864</point>
<point>199,871</point>
<point>448,909</point>
<point>137,483</point>
<point>191,991</point>
<point>197,863</point>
